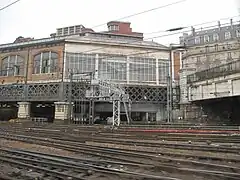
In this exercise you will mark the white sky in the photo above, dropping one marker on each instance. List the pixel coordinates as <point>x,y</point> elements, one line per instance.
<point>39,18</point>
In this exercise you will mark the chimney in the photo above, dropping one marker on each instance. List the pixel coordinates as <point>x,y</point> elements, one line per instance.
<point>219,25</point>
<point>193,31</point>
<point>231,23</point>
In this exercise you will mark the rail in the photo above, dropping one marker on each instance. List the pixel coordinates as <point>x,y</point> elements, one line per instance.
<point>222,70</point>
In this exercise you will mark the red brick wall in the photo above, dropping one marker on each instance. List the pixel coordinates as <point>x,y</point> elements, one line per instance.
<point>32,52</point>
<point>176,62</point>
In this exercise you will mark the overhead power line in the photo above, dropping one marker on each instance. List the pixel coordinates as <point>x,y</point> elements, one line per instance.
<point>143,12</point>
<point>5,7</point>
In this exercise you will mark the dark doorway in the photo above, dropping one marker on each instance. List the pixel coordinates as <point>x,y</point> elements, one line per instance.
<point>43,110</point>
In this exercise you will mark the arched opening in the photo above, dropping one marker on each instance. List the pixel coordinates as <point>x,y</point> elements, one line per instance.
<point>12,66</point>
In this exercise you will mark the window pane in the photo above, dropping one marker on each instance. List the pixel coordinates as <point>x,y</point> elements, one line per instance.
<point>4,66</point>
<point>37,60</point>
<point>19,70</point>
<point>53,62</point>
<point>45,55</point>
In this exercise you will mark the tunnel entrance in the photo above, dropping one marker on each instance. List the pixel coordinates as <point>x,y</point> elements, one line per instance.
<point>43,110</point>
<point>223,110</point>
<point>8,111</point>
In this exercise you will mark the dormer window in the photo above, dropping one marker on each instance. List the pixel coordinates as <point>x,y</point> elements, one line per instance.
<point>113,28</point>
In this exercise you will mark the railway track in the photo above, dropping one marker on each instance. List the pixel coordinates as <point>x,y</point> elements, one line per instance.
<point>66,168</point>
<point>129,141</point>
<point>215,138</point>
<point>131,156</point>
<point>152,153</point>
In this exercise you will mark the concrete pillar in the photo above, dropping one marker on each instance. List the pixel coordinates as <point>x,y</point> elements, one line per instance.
<point>161,113</point>
<point>62,110</point>
<point>24,110</point>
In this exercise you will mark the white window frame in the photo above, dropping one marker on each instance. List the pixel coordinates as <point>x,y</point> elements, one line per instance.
<point>237,33</point>
<point>215,37</point>
<point>206,38</point>
<point>12,68</point>
<point>197,40</point>
<point>41,61</point>
<point>227,35</point>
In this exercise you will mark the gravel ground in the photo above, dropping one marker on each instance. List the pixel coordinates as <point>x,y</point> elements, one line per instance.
<point>34,147</point>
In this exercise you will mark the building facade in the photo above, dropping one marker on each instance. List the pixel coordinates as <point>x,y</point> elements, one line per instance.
<point>209,53</point>
<point>35,73</point>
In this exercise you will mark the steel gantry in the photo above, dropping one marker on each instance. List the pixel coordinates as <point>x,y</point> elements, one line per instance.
<point>106,90</point>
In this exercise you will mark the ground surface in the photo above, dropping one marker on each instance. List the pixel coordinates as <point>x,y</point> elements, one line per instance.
<point>100,153</point>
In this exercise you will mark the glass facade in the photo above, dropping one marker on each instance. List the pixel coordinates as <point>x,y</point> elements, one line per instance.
<point>142,69</point>
<point>119,68</point>
<point>113,68</point>
<point>163,68</point>
<point>80,63</point>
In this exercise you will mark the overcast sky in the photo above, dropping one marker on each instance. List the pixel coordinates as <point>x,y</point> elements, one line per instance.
<point>39,18</point>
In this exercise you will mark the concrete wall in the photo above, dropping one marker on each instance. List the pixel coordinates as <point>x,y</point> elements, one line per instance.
<point>159,109</point>
<point>227,86</point>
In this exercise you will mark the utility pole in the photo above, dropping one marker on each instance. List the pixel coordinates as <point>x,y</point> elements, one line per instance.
<point>169,88</point>
<point>70,96</point>
<point>170,78</point>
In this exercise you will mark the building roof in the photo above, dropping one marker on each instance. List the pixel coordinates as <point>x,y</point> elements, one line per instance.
<point>90,37</point>
<point>120,41</point>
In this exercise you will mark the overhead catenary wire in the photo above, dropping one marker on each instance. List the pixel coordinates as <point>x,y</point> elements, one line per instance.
<point>154,37</point>
<point>106,57</point>
<point>143,12</point>
<point>153,51</point>
<point>7,6</point>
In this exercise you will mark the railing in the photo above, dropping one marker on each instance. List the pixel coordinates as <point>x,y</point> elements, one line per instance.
<point>57,91</point>
<point>222,70</point>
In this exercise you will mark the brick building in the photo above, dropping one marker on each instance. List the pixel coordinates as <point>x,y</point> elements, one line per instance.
<point>35,72</point>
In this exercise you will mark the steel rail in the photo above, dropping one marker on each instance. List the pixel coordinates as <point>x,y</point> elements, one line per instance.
<point>103,152</point>
<point>32,158</point>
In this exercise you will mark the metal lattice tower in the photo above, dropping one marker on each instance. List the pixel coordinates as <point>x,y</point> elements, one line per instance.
<point>114,93</point>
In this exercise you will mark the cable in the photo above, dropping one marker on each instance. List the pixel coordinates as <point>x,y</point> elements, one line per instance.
<point>5,7</point>
<point>143,12</point>
<point>135,41</point>
<point>148,51</point>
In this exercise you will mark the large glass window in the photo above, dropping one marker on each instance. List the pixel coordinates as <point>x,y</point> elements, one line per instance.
<point>45,62</point>
<point>80,63</point>
<point>238,33</point>
<point>215,37</point>
<point>206,38</point>
<point>142,69</point>
<point>12,66</point>
<point>163,68</point>
<point>198,40</point>
<point>227,35</point>
<point>113,68</point>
